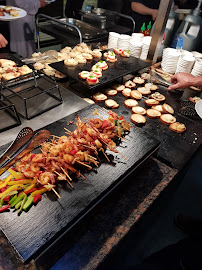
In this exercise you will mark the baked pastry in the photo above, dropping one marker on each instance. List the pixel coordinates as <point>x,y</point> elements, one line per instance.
<point>110,92</point>
<point>59,75</point>
<point>99,97</point>
<point>138,119</point>
<point>66,50</point>
<point>74,54</point>
<point>139,110</point>
<point>110,103</point>
<point>96,53</point>
<point>111,57</point>
<point>96,67</point>
<point>118,87</point>
<point>177,127</point>
<point>158,96</point>
<point>167,109</point>
<point>158,108</point>
<point>151,102</point>
<point>144,91</point>
<point>14,12</point>
<point>81,59</point>
<point>89,100</point>
<point>5,63</point>
<point>87,56</point>
<point>84,74</point>
<point>146,76</point>
<point>138,80</point>
<point>117,51</point>
<point>36,54</point>
<point>103,65</point>
<point>92,79</point>
<point>130,84</point>
<point>151,86</point>
<point>8,9</point>
<point>194,99</point>
<point>72,62</point>
<point>135,94</point>
<point>129,103</point>
<point>126,92</point>
<point>10,76</point>
<point>24,70</point>
<point>167,119</point>
<point>49,72</point>
<point>153,113</point>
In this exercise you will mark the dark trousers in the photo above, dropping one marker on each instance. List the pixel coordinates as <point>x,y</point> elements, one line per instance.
<point>72,8</point>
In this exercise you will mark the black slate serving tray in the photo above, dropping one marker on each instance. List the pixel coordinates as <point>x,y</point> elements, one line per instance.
<point>116,70</point>
<point>32,232</point>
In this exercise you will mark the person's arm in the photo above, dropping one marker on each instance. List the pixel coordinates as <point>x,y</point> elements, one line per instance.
<point>144,10</point>
<point>3,41</point>
<point>183,80</point>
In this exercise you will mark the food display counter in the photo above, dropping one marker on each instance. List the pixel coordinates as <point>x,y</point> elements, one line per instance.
<point>129,186</point>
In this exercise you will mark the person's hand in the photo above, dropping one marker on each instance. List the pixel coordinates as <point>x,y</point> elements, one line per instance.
<point>154,14</point>
<point>3,41</point>
<point>181,80</point>
<point>43,3</point>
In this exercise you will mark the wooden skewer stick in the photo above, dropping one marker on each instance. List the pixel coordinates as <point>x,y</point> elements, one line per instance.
<point>83,176</point>
<point>67,177</point>
<point>55,136</point>
<point>8,157</point>
<point>67,130</point>
<point>79,162</point>
<point>56,193</point>
<point>105,154</point>
<point>92,157</point>
<point>64,178</point>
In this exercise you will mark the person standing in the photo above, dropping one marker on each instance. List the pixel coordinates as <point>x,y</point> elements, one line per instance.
<point>144,11</point>
<point>22,29</point>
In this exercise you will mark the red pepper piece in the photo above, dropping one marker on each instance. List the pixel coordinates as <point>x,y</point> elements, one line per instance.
<point>85,132</point>
<point>14,169</point>
<point>18,179</point>
<point>33,155</point>
<point>3,189</point>
<point>73,152</point>
<point>7,198</point>
<point>37,198</point>
<point>4,208</point>
<point>121,118</point>
<point>38,173</point>
<point>94,138</point>
<point>105,124</point>
<point>30,190</point>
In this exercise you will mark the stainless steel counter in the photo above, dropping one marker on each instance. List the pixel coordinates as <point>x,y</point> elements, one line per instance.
<point>71,103</point>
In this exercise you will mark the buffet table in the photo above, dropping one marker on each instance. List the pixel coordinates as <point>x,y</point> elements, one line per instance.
<point>90,240</point>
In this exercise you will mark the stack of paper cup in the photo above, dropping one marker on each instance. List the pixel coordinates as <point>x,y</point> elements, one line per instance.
<point>137,37</point>
<point>124,42</point>
<point>197,69</point>
<point>145,47</point>
<point>112,41</point>
<point>135,48</point>
<point>169,60</point>
<point>185,63</point>
<point>197,55</point>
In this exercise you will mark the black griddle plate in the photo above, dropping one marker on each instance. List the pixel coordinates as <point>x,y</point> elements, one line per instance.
<point>122,67</point>
<point>33,231</point>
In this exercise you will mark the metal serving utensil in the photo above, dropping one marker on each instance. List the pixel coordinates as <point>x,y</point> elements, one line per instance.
<point>22,138</point>
<point>36,141</point>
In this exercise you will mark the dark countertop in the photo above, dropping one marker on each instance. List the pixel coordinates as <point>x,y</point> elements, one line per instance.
<point>88,243</point>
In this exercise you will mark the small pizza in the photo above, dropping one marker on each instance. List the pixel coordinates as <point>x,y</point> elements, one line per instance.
<point>167,119</point>
<point>126,92</point>
<point>97,73</point>
<point>10,76</point>
<point>138,80</point>
<point>110,103</point>
<point>87,56</point>
<point>99,97</point>
<point>158,96</point>
<point>167,109</point>
<point>103,65</point>
<point>24,70</point>
<point>96,53</point>
<point>92,79</point>
<point>153,113</point>
<point>111,57</point>
<point>177,127</point>
<point>125,53</point>
<point>144,91</point>
<point>129,103</point>
<point>151,102</point>
<point>84,74</point>
<point>138,119</point>
<point>117,51</point>
<point>158,108</point>
<point>139,110</point>
<point>81,59</point>
<point>130,84</point>
<point>96,67</point>
<point>59,75</point>
<point>111,92</point>
<point>118,87</point>
<point>135,94</point>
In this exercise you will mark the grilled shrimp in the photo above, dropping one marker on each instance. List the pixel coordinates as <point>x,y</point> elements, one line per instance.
<point>47,177</point>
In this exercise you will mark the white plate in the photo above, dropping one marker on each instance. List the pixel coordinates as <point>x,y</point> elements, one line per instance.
<point>198,108</point>
<point>7,17</point>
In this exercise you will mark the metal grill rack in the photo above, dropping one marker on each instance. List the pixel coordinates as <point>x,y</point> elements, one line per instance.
<point>32,97</point>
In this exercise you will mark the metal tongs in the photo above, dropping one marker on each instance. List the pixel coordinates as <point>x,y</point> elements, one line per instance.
<point>36,141</point>
<point>33,60</point>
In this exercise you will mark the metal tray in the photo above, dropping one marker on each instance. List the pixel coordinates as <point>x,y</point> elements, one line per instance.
<point>32,232</point>
<point>116,70</point>
<point>88,31</point>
